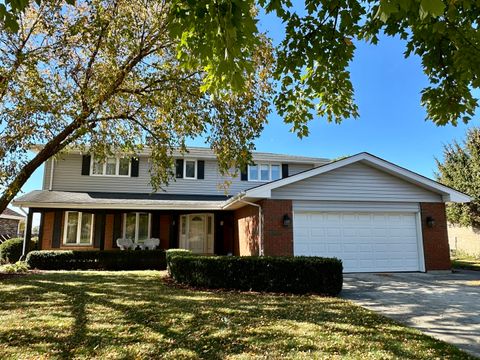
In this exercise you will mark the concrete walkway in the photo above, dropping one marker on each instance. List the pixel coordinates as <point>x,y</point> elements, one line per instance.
<point>445,306</point>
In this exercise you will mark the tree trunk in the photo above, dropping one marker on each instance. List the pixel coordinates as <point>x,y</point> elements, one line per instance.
<point>50,149</point>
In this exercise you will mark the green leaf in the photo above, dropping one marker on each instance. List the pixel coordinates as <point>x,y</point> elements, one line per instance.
<point>434,8</point>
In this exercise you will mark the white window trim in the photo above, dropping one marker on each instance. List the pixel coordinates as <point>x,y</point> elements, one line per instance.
<point>269,172</point>
<point>79,229</point>
<point>137,223</point>
<point>117,167</point>
<point>185,169</point>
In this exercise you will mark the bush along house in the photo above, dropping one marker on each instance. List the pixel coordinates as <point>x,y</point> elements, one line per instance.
<point>368,212</point>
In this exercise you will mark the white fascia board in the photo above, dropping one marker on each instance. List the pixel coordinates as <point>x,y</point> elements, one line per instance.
<point>125,206</point>
<point>12,217</point>
<point>448,194</point>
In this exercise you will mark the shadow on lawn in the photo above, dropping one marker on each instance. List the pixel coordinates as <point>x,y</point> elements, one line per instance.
<point>134,315</point>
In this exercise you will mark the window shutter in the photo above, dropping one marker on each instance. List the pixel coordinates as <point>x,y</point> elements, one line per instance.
<point>179,169</point>
<point>284,170</point>
<point>201,169</point>
<point>99,230</point>
<point>57,229</point>
<point>85,164</point>
<point>134,167</point>
<point>117,228</point>
<point>243,174</point>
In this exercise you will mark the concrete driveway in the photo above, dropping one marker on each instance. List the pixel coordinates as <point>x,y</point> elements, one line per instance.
<point>445,306</point>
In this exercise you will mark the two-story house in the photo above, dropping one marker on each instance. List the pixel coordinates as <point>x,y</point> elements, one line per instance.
<point>372,214</point>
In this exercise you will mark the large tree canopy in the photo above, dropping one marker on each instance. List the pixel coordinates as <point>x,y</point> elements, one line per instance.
<point>105,74</point>
<point>460,169</point>
<point>220,36</point>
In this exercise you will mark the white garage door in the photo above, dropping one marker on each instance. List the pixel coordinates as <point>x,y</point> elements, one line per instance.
<point>364,241</point>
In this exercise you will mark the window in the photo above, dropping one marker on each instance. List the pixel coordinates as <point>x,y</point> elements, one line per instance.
<point>264,172</point>
<point>190,169</point>
<point>137,226</point>
<point>78,229</point>
<point>112,166</point>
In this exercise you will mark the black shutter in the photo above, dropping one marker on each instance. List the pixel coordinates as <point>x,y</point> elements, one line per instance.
<point>117,228</point>
<point>173,241</point>
<point>200,169</point>
<point>86,164</point>
<point>99,230</point>
<point>179,169</point>
<point>57,229</point>
<point>155,225</point>
<point>134,168</point>
<point>243,174</point>
<point>284,170</point>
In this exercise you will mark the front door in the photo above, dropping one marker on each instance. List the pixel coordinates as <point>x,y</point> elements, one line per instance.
<point>196,233</point>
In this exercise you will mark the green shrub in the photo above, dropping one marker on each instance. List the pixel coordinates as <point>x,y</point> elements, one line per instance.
<point>11,250</point>
<point>18,267</point>
<point>97,260</point>
<point>175,252</point>
<point>278,274</point>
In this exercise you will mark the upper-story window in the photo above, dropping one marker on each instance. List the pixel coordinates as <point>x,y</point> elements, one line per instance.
<point>264,172</point>
<point>111,166</point>
<point>190,169</point>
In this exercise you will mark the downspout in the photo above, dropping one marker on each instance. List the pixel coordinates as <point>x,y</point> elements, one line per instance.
<point>50,185</point>
<point>24,247</point>
<point>260,224</point>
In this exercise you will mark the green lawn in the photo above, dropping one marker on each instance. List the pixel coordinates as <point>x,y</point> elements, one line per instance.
<point>466,262</point>
<point>135,315</point>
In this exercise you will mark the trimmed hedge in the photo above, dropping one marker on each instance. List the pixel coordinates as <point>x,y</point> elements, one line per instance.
<point>297,275</point>
<point>97,260</point>
<point>11,250</point>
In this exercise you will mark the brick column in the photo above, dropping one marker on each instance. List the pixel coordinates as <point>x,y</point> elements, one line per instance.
<point>278,239</point>
<point>435,239</point>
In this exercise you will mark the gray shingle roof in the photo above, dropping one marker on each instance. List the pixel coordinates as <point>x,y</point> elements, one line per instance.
<point>68,199</point>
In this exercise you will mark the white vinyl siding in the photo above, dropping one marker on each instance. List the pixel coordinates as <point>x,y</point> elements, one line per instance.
<point>68,169</point>
<point>355,182</point>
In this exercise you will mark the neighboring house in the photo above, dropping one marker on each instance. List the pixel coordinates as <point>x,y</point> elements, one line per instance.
<point>372,214</point>
<point>464,239</point>
<point>10,224</point>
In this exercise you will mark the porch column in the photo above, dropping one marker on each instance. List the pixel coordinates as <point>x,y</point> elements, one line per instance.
<point>28,232</point>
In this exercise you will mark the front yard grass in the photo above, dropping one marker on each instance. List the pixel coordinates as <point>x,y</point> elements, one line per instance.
<point>135,315</point>
<point>466,262</point>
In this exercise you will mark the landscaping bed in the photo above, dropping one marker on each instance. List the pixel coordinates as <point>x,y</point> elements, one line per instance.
<point>135,315</point>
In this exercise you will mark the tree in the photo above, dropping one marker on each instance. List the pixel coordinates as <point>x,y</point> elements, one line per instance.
<point>104,76</point>
<point>460,169</point>
<point>313,59</point>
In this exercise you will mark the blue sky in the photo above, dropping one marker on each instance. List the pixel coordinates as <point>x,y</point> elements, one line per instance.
<point>391,124</point>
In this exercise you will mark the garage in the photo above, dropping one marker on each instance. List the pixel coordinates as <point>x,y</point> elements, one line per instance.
<point>364,241</point>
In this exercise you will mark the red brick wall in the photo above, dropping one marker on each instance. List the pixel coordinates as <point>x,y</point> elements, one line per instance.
<point>277,239</point>
<point>435,239</point>
<point>245,222</point>
<point>47,230</point>
<point>109,232</point>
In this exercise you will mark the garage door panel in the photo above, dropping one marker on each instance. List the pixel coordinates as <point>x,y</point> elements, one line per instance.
<point>364,241</point>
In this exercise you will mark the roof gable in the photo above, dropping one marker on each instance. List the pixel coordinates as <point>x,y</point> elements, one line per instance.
<point>447,193</point>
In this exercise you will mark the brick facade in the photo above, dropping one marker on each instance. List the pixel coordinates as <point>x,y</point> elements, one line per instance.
<point>277,238</point>
<point>435,239</point>
<point>246,231</point>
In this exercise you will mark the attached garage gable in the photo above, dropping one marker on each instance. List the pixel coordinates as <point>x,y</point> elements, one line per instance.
<point>355,182</point>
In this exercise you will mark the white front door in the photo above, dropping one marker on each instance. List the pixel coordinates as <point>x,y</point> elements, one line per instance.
<point>196,233</point>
